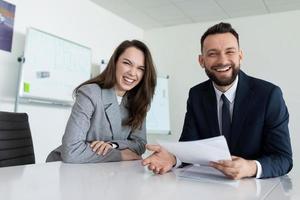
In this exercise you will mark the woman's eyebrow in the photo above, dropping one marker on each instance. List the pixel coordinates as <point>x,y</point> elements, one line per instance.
<point>126,59</point>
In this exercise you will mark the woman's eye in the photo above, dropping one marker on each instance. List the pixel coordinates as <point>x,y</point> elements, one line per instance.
<point>142,68</point>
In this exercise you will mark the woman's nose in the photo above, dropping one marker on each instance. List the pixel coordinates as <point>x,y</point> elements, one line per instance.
<point>133,71</point>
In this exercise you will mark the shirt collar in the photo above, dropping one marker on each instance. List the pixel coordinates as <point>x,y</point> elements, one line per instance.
<point>230,94</point>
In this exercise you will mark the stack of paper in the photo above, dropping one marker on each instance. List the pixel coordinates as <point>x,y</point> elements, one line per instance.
<point>199,151</point>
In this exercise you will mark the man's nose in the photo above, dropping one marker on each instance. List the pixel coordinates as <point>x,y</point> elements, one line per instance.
<point>223,59</point>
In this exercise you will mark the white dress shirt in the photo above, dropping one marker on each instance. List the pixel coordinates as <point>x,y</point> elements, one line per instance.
<point>230,95</point>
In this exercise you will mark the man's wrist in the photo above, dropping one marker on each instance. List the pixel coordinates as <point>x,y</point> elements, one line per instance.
<point>253,167</point>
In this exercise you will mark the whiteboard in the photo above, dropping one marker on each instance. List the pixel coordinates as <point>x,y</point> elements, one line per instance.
<point>158,117</point>
<point>53,67</point>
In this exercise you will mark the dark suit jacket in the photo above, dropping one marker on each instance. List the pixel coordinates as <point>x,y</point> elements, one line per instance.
<point>259,123</point>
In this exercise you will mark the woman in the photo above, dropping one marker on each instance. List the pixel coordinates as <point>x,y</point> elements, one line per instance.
<point>107,122</point>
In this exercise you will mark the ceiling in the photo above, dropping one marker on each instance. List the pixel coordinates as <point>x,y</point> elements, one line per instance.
<point>149,14</point>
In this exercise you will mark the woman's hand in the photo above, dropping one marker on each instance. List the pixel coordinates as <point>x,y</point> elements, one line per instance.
<point>100,147</point>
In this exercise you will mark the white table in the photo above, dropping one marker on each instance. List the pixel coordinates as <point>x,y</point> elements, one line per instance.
<point>288,188</point>
<point>118,181</point>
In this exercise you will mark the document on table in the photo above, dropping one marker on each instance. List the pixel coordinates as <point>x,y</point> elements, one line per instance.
<point>205,174</point>
<point>200,151</point>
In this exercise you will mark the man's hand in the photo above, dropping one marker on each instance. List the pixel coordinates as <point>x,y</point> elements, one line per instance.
<point>237,168</point>
<point>161,161</point>
<point>100,147</point>
<point>127,154</point>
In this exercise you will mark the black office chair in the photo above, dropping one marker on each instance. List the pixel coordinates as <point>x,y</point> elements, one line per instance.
<point>16,146</point>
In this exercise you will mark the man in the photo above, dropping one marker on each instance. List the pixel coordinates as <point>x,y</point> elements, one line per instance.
<point>249,112</point>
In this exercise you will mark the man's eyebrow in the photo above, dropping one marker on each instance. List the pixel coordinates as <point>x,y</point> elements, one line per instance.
<point>210,50</point>
<point>231,48</point>
<point>213,50</point>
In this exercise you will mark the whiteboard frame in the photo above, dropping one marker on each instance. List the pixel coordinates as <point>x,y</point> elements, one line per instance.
<point>27,98</point>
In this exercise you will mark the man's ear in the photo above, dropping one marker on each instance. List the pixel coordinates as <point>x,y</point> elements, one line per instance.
<point>241,55</point>
<point>201,61</point>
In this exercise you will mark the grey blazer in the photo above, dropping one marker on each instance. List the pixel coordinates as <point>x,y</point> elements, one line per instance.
<point>96,115</point>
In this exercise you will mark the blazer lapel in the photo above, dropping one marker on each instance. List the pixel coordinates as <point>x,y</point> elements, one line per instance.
<point>112,112</point>
<point>210,107</point>
<point>124,116</point>
<point>243,97</point>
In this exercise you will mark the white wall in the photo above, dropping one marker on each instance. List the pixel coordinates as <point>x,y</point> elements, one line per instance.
<point>80,21</point>
<point>271,45</point>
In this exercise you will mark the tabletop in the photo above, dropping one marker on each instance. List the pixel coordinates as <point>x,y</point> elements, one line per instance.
<point>127,180</point>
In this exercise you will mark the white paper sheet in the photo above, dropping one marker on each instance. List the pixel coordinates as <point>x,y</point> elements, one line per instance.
<point>199,151</point>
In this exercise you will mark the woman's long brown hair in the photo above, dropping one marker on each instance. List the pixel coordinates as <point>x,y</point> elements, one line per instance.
<point>138,98</point>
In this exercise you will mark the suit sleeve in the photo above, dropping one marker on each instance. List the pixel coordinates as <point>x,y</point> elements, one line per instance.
<point>276,159</point>
<point>136,141</point>
<point>189,130</point>
<point>75,148</point>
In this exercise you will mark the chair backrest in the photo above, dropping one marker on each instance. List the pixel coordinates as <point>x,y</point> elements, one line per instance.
<point>16,146</point>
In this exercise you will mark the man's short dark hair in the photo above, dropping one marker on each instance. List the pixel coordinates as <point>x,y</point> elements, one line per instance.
<point>217,29</point>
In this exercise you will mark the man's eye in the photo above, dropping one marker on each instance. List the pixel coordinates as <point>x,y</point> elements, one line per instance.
<point>230,52</point>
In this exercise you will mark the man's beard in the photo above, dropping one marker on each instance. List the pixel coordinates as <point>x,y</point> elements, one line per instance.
<point>223,82</point>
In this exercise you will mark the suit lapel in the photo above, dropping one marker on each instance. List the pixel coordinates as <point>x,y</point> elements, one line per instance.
<point>210,107</point>
<point>112,112</point>
<point>242,101</point>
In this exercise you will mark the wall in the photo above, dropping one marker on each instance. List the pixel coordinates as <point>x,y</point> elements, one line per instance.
<point>271,46</point>
<point>80,21</point>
